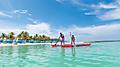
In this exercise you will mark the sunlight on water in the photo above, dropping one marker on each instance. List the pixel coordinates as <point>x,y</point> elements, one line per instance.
<point>97,55</point>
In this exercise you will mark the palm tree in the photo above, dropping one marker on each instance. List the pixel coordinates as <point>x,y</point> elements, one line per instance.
<point>26,36</point>
<point>18,36</point>
<point>3,36</point>
<point>11,35</point>
<point>23,35</point>
<point>40,37</point>
<point>36,37</point>
<point>30,37</point>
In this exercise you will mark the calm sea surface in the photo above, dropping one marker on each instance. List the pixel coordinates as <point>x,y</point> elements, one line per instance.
<point>96,55</point>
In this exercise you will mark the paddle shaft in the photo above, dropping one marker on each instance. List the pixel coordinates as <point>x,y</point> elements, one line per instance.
<point>56,42</point>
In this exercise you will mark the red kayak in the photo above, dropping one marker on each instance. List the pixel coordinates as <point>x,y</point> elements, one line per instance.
<point>70,45</point>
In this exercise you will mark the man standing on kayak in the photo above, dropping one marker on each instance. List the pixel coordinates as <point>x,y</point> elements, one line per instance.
<point>72,40</point>
<point>61,37</point>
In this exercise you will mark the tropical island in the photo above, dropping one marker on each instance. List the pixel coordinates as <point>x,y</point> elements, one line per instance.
<point>25,37</point>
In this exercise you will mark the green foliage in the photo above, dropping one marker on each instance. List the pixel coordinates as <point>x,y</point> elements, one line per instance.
<point>25,36</point>
<point>4,36</point>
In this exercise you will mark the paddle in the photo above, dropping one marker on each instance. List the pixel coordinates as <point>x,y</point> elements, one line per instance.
<point>57,42</point>
<point>70,36</point>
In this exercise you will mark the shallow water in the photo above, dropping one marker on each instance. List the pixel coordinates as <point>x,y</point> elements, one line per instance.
<point>97,55</point>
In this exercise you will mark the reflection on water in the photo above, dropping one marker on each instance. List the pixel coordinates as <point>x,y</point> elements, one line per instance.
<point>98,55</point>
<point>68,61</point>
<point>18,56</point>
<point>63,51</point>
<point>73,58</point>
<point>4,50</point>
<point>72,51</point>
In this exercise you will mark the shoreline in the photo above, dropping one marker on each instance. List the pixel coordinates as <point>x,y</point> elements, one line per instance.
<point>99,41</point>
<point>24,44</point>
<point>31,44</point>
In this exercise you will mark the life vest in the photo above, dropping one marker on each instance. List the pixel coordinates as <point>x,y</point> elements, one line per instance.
<point>73,38</point>
<point>62,37</point>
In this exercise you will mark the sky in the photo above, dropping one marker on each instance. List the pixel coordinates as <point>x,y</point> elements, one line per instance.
<point>86,19</point>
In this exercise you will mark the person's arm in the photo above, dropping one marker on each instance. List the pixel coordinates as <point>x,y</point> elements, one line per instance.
<point>59,37</point>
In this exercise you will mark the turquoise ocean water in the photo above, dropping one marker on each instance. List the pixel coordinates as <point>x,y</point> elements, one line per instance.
<point>98,55</point>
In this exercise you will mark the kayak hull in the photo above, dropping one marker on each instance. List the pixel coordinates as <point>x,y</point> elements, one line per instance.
<point>70,45</point>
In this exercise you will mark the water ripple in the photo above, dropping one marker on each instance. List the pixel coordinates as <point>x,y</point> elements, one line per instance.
<point>98,55</point>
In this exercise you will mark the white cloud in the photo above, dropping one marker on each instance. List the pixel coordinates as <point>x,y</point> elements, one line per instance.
<point>92,13</point>
<point>106,15</point>
<point>98,6</point>
<point>107,6</point>
<point>103,6</point>
<point>24,12</point>
<point>11,30</point>
<point>111,15</point>
<point>102,32</point>
<point>15,13</point>
<point>118,1</point>
<point>5,15</point>
<point>40,26</point>
<point>75,2</point>
<point>100,10</point>
<point>20,11</point>
<point>60,1</point>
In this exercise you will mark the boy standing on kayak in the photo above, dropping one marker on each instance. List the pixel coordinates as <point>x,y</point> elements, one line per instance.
<point>61,37</point>
<point>72,40</point>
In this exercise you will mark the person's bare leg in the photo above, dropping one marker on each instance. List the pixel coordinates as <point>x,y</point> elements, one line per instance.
<point>61,42</point>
